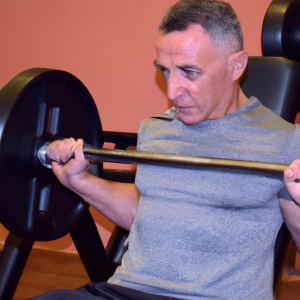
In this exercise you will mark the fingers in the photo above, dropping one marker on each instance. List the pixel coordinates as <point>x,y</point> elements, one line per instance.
<point>292,173</point>
<point>77,149</point>
<point>61,151</point>
<point>68,171</point>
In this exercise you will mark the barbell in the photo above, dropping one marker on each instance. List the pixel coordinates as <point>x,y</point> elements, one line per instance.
<point>36,105</point>
<point>93,154</point>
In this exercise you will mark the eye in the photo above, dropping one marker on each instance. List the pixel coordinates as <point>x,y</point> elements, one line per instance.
<point>165,72</point>
<point>190,74</point>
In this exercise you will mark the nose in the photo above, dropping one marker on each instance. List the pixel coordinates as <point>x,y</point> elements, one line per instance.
<point>175,87</point>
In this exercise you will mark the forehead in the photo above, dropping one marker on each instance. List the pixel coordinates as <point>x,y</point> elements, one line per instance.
<point>191,44</point>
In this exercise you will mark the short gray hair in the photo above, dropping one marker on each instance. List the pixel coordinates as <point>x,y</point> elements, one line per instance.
<point>217,18</point>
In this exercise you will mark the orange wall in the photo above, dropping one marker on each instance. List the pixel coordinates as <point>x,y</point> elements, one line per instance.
<point>110,46</point>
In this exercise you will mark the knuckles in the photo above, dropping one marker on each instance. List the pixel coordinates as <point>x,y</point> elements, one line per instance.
<point>292,172</point>
<point>61,150</point>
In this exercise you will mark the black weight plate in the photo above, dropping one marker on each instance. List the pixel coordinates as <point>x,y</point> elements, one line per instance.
<point>281,30</point>
<point>34,106</point>
<point>291,32</point>
<point>272,28</point>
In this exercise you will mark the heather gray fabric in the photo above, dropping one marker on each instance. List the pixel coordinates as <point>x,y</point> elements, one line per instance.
<point>209,233</point>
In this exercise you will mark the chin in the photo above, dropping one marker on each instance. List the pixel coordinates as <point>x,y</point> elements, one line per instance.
<point>189,120</point>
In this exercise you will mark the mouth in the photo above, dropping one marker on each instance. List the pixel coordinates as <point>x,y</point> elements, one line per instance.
<point>184,109</point>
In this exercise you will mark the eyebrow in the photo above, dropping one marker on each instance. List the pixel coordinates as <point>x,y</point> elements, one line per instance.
<point>184,66</point>
<point>157,65</point>
<point>190,66</point>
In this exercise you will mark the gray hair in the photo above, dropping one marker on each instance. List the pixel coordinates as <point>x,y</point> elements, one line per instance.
<point>217,18</point>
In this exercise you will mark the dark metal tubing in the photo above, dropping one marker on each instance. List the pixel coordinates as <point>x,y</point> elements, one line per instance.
<point>121,139</point>
<point>115,247</point>
<point>14,256</point>
<point>119,175</point>
<point>90,249</point>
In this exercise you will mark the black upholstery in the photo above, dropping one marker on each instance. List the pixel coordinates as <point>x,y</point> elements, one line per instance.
<point>275,82</point>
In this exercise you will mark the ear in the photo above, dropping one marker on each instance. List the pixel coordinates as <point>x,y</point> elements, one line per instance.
<point>237,63</point>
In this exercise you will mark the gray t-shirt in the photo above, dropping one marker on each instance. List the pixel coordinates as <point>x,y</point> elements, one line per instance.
<point>209,233</point>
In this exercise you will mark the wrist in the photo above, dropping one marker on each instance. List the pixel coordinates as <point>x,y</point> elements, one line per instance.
<point>78,182</point>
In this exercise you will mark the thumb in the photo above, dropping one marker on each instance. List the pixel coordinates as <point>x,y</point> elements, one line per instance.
<point>289,174</point>
<point>77,149</point>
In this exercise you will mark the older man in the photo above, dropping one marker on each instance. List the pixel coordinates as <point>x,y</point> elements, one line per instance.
<point>206,233</point>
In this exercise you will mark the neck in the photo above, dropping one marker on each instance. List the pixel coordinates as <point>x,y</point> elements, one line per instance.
<point>237,101</point>
<point>242,98</point>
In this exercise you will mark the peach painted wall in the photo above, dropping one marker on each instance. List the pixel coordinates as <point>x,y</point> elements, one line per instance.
<point>110,46</point>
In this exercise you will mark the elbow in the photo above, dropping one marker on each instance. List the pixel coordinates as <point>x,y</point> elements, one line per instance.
<point>132,217</point>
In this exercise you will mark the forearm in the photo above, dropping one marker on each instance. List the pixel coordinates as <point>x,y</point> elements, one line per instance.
<point>291,209</point>
<point>291,214</point>
<point>116,201</point>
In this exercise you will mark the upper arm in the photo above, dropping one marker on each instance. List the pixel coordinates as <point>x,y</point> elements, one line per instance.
<point>291,214</point>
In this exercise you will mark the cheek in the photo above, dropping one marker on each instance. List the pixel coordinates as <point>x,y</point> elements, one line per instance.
<point>200,93</point>
<point>207,93</point>
<point>219,85</point>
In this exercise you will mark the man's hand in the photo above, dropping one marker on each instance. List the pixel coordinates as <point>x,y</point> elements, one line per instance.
<point>115,200</point>
<point>292,180</point>
<point>68,171</point>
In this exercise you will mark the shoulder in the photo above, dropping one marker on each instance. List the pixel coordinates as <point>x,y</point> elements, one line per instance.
<point>258,115</point>
<point>167,116</point>
<point>285,135</point>
<point>269,126</point>
<point>291,142</point>
<point>158,126</point>
<point>161,119</point>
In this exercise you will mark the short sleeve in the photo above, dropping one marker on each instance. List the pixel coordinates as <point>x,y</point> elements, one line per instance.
<point>139,135</point>
<point>284,194</point>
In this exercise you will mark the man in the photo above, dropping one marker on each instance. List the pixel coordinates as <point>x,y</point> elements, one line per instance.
<point>207,233</point>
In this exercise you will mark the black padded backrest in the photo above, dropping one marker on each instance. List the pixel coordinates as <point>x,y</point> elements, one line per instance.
<point>275,82</point>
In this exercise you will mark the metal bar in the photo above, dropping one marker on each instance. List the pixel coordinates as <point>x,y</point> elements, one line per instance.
<point>134,157</point>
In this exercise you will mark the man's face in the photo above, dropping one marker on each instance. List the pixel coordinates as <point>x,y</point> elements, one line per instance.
<point>197,74</point>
